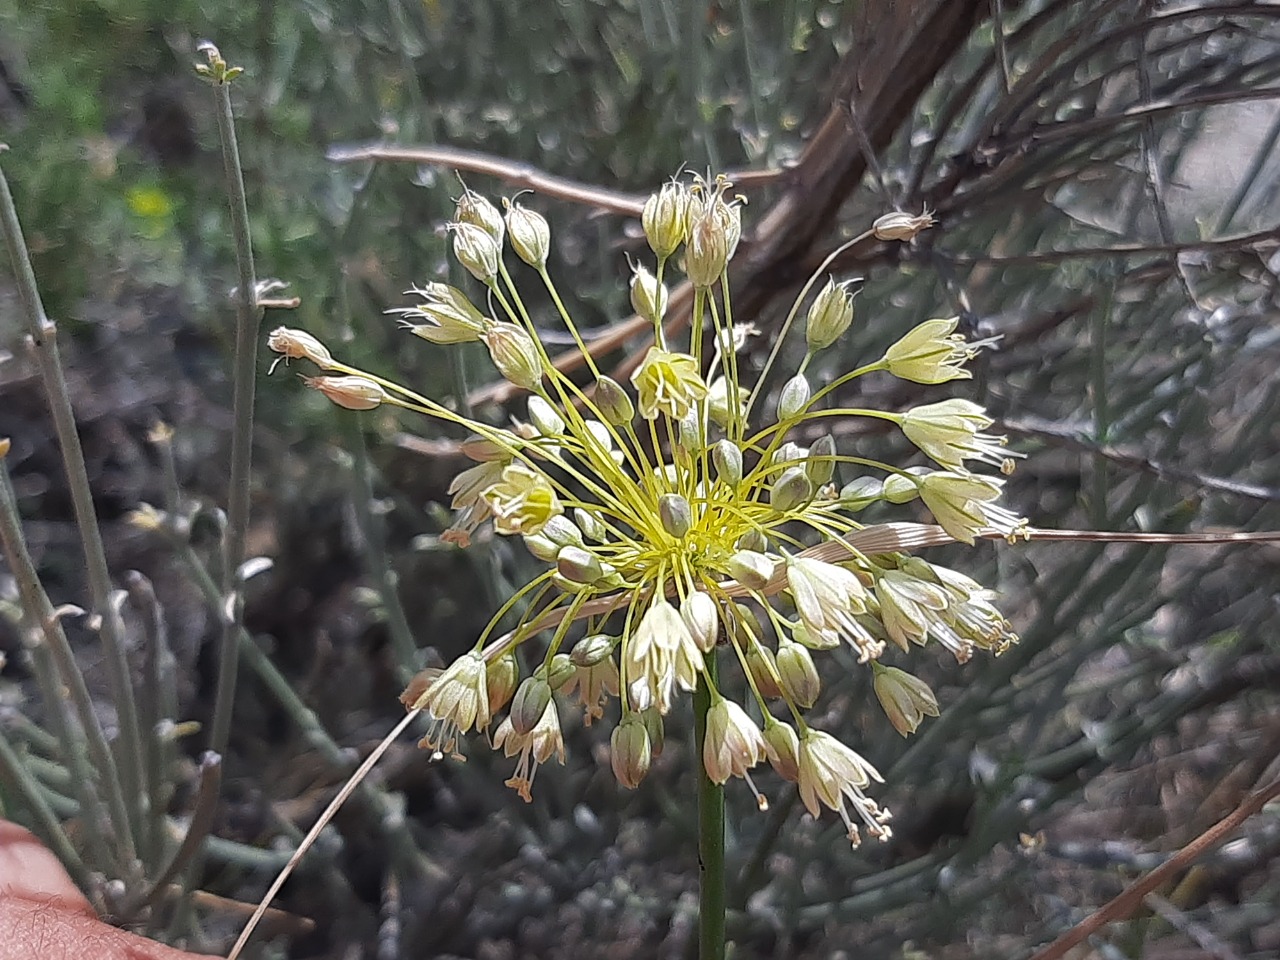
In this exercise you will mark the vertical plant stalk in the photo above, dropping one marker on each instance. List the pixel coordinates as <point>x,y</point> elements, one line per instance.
<point>43,335</point>
<point>248,321</point>
<point>711,886</point>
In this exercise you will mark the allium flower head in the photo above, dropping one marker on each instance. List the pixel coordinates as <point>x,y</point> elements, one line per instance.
<point>720,527</point>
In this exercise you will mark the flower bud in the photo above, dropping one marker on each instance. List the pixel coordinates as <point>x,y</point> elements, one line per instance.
<point>563,532</point>
<point>542,548</point>
<point>579,565</point>
<point>718,403</point>
<point>545,417</point>
<point>592,526</point>
<point>476,250</point>
<point>514,354</point>
<point>629,751</point>
<point>592,650</point>
<point>648,296</point>
<point>782,748</point>
<point>654,727</point>
<point>702,617</point>
<point>829,316</point>
<point>728,462</point>
<point>763,670</point>
<point>501,677</point>
<point>560,671</point>
<point>821,467</point>
<point>794,397</point>
<point>860,493</point>
<point>797,675</point>
<point>792,490</point>
<point>477,210</point>
<point>750,569</point>
<point>901,226</point>
<point>299,345</point>
<point>676,516</point>
<point>530,235</point>
<point>353,393</point>
<point>530,702</point>
<point>753,539</point>
<point>899,489</point>
<point>906,699</point>
<point>823,640</point>
<point>484,450</point>
<point>613,403</point>
<point>689,432</point>
<point>707,250</point>
<point>664,218</point>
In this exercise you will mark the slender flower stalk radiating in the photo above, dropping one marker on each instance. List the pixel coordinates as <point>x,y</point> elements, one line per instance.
<point>678,526</point>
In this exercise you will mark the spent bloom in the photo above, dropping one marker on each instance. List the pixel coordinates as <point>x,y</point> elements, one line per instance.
<point>684,520</point>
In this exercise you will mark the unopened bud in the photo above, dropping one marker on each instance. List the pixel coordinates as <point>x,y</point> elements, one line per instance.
<point>648,296</point>
<point>299,345</point>
<point>592,526</point>
<point>901,226</point>
<point>545,417</point>
<point>906,699</point>
<point>753,539</point>
<point>477,210</point>
<point>613,403</point>
<point>763,670</point>
<point>752,570</point>
<point>794,397</point>
<point>476,250</point>
<point>579,565</point>
<point>592,650</point>
<point>706,250</point>
<point>727,458</point>
<point>829,316</point>
<point>675,514</point>
<point>821,465</point>
<point>353,393</point>
<point>797,675</point>
<point>514,354</point>
<point>560,671</point>
<point>860,493</point>
<point>501,676</point>
<point>563,532</point>
<point>664,218</point>
<point>900,489</point>
<point>530,702</point>
<point>792,490</point>
<point>702,617</point>
<point>629,751</point>
<point>530,235</point>
<point>483,450</point>
<point>782,747</point>
<point>654,727</point>
<point>541,547</point>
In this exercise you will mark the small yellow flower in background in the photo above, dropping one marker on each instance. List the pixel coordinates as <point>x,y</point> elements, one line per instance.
<point>667,383</point>
<point>720,527</point>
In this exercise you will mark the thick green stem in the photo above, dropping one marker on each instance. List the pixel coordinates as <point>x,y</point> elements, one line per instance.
<point>711,894</point>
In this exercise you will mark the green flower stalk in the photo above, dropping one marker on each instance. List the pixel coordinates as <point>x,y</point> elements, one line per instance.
<point>678,532</point>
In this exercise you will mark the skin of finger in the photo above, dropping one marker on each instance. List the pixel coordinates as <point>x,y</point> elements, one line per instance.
<point>44,917</point>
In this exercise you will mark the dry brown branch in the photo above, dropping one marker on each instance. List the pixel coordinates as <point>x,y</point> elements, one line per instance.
<point>1123,906</point>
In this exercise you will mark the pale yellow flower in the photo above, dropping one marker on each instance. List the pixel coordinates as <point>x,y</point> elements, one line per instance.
<point>537,746</point>
<point>906,699</point>
<point>456,701</point>
<point>667,383</point>
<point>930,353</point>
<point>833,775</point>
<point>522,502</point>
<point>732,744</point>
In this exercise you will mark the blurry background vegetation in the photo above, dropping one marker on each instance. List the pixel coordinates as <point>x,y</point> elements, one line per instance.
<point>1106,186</point>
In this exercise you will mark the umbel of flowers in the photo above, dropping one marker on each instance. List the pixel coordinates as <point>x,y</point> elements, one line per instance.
<point>679,523</point>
